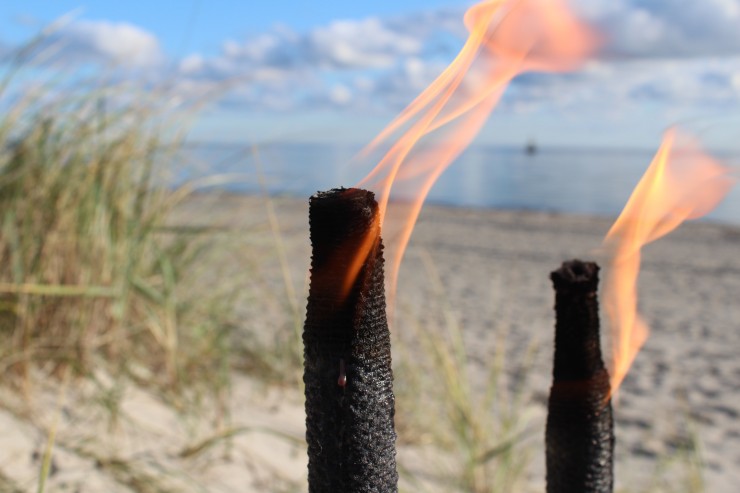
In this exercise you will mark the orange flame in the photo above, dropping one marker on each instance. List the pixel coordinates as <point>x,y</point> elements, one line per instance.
<point>681,183</point>
<point>507,37</point>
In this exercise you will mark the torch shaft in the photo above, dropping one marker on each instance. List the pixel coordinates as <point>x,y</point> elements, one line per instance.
<point>580,431</point>
<point>347,353</point>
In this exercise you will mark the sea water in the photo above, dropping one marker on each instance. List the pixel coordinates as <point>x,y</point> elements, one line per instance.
<point>580,181</point>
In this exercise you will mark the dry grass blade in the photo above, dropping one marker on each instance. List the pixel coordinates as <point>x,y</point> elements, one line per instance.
<point>217,438</point>
<point>48,450</point>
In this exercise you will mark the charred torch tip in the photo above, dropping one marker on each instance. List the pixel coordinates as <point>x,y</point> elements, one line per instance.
<point>576,275</point>
<point>352,198</point>
<point>342,214</point>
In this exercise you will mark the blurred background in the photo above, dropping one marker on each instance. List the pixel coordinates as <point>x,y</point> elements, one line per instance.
<point>155,164</point>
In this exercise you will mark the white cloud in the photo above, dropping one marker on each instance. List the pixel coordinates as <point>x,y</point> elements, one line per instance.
<point>340,94</point>
<point>191,64</point>
<point>360,44</point>
<point>667,28</point>
<point>692,85</point>
<point>109,43</point>
<point>340,45</point>
<point>358,60</point>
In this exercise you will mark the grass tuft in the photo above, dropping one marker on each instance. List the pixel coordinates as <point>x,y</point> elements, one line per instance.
<point>91,276</point>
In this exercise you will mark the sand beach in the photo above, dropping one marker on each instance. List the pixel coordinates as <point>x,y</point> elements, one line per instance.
<point>484,271</point>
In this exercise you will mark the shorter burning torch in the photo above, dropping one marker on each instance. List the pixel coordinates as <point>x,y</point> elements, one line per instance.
<point>580,429</point>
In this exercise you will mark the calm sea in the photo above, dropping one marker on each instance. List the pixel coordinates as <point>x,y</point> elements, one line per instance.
<point>582,181</point>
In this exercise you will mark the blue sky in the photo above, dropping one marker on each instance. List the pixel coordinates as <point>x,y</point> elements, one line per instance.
<point>199,25</point>
<point>339,71</point>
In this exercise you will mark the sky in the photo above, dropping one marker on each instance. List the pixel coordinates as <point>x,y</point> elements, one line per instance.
<point>335,71</point>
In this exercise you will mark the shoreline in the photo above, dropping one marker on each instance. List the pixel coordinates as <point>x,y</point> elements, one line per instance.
<point>440,204</point>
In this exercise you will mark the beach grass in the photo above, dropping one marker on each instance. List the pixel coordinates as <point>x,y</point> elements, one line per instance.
<point>92,276</point>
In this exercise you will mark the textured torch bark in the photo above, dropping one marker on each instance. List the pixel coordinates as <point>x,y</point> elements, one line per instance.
<point>580,429</point>
<point>347,350</point>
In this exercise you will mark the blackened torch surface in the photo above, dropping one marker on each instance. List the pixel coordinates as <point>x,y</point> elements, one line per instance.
<point>579,436</point>
<point>349,421</point>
